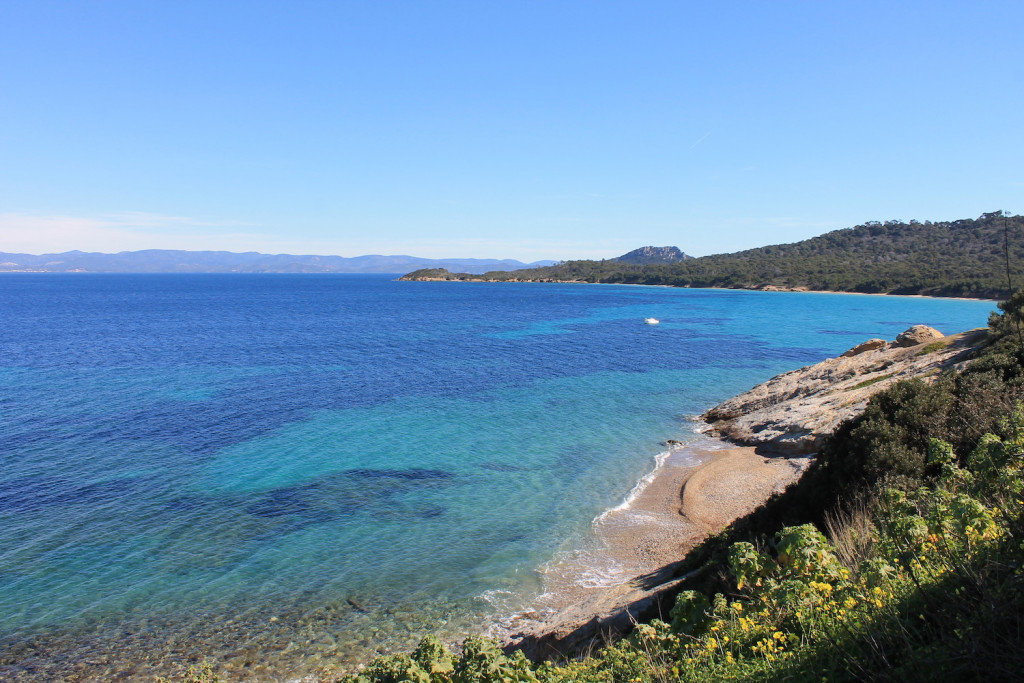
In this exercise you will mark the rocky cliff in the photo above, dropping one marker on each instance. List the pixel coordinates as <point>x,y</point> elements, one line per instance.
<point>791,413</point>
<point>653,255</point>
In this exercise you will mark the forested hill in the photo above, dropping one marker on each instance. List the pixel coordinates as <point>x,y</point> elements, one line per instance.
<point>957,258</point>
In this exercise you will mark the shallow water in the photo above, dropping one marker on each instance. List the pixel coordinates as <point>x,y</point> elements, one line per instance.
<point>291,472</point>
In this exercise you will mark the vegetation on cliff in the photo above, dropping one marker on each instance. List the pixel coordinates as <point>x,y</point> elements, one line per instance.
<point>953,258</point>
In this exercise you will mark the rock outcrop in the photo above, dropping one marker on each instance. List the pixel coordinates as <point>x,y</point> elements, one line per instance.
<point>653,256</point>
<point>918,334</point>
<point>869,345</point>
<point>791,413</point>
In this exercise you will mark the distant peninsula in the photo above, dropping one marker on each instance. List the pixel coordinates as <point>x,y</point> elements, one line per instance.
<point>175,261</point>
<point>963,258</point>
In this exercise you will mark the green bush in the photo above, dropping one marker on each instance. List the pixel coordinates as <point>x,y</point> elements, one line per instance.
<point>890,439</point>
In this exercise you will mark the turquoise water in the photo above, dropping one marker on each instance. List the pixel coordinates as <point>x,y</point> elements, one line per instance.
<point>293,472</point>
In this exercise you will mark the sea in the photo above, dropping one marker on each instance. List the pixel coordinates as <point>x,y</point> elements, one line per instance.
<point>290,473</point>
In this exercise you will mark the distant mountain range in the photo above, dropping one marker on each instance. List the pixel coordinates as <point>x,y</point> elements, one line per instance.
<point>173,261</point>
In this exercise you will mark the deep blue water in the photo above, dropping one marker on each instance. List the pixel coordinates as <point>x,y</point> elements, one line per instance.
<point>221,458</point>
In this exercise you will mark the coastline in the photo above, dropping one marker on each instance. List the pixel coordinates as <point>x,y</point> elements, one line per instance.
<point>250,640</point>
<point>770,288</point>
<point>755,445</point>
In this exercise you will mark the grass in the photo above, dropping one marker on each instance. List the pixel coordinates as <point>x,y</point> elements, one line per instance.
<point>933,347</point>
<point>873,380</point>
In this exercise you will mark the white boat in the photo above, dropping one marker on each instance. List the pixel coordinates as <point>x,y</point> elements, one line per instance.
<point>651,321</point>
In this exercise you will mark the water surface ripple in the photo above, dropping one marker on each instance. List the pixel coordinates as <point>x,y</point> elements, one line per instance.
<point>292,472</point>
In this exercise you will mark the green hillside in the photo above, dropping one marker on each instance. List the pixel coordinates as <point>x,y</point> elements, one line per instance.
<point>957,258</point>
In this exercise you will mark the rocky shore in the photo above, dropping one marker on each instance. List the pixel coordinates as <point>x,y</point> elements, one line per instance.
<point>758,443</point>
<point>791,413</point>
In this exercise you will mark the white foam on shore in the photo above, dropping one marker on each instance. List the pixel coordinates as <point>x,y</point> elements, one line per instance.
<point>510,606</point>
<point>638,488</point>
<point>588,566</point>
<point>596,574</point>
<point>683,453</point>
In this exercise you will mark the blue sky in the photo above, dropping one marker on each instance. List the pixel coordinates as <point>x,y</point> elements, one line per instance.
<point>499,129</point>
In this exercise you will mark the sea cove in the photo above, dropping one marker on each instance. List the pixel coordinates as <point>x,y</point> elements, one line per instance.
<point>292,472</point>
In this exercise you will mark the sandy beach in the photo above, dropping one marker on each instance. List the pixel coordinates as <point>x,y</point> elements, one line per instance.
<point>696,490</point>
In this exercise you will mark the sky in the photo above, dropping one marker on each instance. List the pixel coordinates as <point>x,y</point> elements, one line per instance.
<point>519,129</point>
